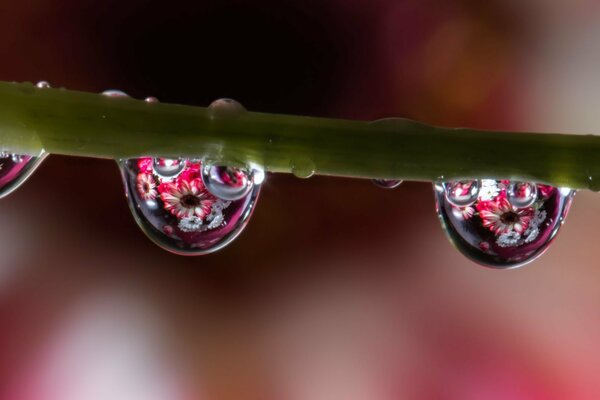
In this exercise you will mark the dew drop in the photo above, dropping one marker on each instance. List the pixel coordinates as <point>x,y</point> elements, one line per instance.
<point>114,93</point>
<point>15,169</point>
<point>168,168</point>
<point>522,194</point>
<point>387,183</point>
<point>461,193</point>
<point>180,214</point>
<point>43,85</point>
<point>224,107</point>
<point>151,100</point>
<point>494,232</point>
<point>302,168</point>
<point>227,183</point>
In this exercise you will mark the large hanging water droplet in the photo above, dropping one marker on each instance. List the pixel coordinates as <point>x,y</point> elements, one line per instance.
<point>227,183</point>
<point>387,183</point>
<point>15,169</point>
<point>461,193</point>
<point>497,233</point>
<point>180,214</point>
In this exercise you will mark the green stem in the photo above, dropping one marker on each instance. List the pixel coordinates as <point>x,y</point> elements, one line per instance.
<point>84,124</point>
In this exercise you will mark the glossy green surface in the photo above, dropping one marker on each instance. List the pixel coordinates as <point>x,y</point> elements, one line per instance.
<point>91,125</point>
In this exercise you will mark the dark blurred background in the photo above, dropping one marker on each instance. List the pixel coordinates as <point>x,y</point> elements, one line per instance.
<point>337,289</point>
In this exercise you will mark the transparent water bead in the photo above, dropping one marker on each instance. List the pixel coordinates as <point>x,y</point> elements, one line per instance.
<point>15,169</point>
<point>461,193</point>
<point>180,214</point>
<point>114,93</point>
<point>387,183</point>
<point>221,107</point>
<point>168,168</point>
<point>496,233</point>
<point>522,194</point>
<point>43,85</point>
<point>227,183</point>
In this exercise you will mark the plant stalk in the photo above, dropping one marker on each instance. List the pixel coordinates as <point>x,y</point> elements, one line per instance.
<point>90,125</point>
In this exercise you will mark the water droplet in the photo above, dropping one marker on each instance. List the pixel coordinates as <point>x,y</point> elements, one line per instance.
<point>227,183</point>
<point>168,168</point>
<point>114,93</point>
<point>496,233</point>
<point>43,85</point>
<point>180,214</point>
<point>151,99</point>
<point>521,194</point>
<point>387,183</point>
<point>461,193</point>
<point>15,169</point>
<point>302,168</point>
<point>225,107</point>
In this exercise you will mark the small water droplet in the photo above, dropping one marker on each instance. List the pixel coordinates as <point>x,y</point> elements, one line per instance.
<point>461,193</point>
<point>180,214</point>
<point>496,233</point>
<point>114,93</point>
<point>225,107</point>
<point>227,183</point>
<point>521,194</point>
<point>151,99</point>
<point>168,168</point>
<point>302,168</point>
<point>43,85</point>
<point>387,183</point>
<point>15,169</point>
<point>594,182</point>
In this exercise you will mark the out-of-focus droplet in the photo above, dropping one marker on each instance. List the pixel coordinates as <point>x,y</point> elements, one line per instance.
<point>180,214</point>
<point>521,194</point>
<point>302,168</point>
<point>227,183</point>
<point>168,168</point>
<point>223,107</point>
<point>114,93</point>
<point>387,183</point>
<point>15,169</point>
<point>43,85</point>
<point>151,99</point>
<point>494,232</point>
<point>461,193</point>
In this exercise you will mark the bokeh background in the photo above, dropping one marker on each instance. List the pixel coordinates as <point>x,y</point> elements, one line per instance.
<point>337,289</point>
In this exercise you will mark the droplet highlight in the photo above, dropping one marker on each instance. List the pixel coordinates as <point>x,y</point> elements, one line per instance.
<point>179,213</point>
<point>387,183</point>
<point>494,232</point>
<point>228,183</point>
<point>15,169</point>
<point>43,85</point>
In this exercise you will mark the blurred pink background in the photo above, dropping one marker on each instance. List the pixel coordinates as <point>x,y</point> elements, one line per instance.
<point>323,296</point>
